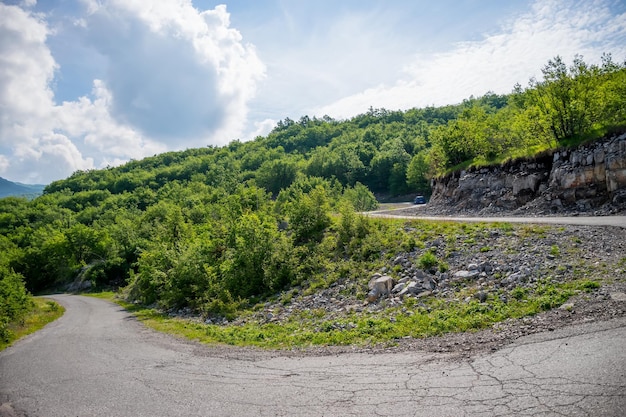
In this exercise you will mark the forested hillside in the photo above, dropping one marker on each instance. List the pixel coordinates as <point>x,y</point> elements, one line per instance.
<point>213,228</point>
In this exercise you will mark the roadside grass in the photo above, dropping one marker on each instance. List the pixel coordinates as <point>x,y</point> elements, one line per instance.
<point>44,311</point>
<point>414,319</point>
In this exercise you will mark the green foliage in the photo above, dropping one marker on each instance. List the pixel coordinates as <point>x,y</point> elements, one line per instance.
<point>15,301</point>
<point>573,101</point>
<point>40,312</point>
<point>276,175</point>
<point>415,319</point>
<point>418,172</point>
<point>588,286</point>
<point>428,260</point>
<point>308,216</point>
<point>361,198</point>
<point>389,167</point>
<point>554,250</point>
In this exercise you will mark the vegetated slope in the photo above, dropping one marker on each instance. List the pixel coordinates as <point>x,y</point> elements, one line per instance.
<point>218,229</point>
<point>450,277</point>
<point>397,152</point>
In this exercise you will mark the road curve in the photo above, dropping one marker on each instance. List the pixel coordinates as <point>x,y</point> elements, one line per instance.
<point>97,360</point>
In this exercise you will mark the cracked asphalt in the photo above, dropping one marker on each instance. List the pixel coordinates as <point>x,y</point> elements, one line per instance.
<point>97,360</point>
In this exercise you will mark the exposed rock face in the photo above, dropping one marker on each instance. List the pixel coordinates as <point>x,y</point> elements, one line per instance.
<point>587,178</point>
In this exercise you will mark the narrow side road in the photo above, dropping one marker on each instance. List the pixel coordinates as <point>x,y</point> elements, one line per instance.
<point>97,360</point>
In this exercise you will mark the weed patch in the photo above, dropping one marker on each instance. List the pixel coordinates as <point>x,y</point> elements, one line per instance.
<point>43,311</point>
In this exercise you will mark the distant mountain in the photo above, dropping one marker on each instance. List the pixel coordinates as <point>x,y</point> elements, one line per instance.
<point>9,188</point>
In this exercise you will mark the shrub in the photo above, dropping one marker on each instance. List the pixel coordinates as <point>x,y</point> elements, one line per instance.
<point>428,261</point>
<point>554,250</point>
<point>15,301</point>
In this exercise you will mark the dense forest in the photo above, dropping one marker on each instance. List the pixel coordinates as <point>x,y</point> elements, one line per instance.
<point>219,227</point>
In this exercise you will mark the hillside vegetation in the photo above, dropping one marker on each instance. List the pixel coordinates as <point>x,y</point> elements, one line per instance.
<point>218,229</point>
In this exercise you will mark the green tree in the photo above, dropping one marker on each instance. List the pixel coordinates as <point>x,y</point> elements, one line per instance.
<point>417,173</point>
<point>248,255</point>
<point>277,174</point>
<point>360,197</point>
<point>567,98</point>
<point>388,167</point>
<point>308,216</point>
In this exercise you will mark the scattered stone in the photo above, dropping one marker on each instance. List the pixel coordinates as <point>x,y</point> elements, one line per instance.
<point>466,274</point>
<point>372,296</point>
<point>379,286</point>
<point>618,296</point>
<point>414,288</point>
<point>398,287</point>
<point>481,296</point>
<point>382,285</point>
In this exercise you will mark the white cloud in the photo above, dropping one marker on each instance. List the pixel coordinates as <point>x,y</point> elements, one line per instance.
<point>26,67</point>
<point>52,156</point>
<point>328,56</point>
<point>175,78</point>
<point>262,128</point>
<point>166,76</point>
<point>27,126</point>
<point>175,74</point>
<point>497,62</point>
<point>101,135</point>
<point>4,163</point>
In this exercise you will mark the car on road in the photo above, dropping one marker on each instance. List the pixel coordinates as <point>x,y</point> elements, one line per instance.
<point>420,199</point>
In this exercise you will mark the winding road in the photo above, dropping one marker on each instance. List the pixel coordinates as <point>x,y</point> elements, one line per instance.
<point>97,360</point>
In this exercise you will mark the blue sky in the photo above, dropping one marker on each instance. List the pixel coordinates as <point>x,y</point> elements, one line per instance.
<point>86,84</point>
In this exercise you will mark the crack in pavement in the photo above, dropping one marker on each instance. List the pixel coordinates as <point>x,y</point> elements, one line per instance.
<point>579,371</point>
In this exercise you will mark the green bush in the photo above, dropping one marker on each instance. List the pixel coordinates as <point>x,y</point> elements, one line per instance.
<point>361,198</point>
<point>428,261</point>
<point>15,301</point>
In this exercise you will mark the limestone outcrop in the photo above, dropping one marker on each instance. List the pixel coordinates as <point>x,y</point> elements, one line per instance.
<point>591,177</point>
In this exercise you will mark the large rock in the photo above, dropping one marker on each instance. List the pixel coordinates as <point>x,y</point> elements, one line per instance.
<point>466,274</point>
<point>379,286</point>
<point>413,288</point>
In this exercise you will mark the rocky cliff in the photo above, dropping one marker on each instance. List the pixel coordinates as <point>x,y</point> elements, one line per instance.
<point>590,178</point>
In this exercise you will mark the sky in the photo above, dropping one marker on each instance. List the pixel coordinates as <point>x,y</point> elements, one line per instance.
<point>86,84</point>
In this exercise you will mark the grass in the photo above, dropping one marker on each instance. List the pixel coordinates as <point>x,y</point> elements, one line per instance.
<point>414,319</point>
<point>44,311</point>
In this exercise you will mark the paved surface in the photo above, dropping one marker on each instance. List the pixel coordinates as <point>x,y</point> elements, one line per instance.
<point>619,221</point>
<point>98,361</point>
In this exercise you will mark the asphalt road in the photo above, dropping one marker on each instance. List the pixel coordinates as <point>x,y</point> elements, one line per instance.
<point>99,361</point>
<point>619,221</point>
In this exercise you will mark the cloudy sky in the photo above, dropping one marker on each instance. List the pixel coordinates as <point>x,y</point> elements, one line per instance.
<point>87,84</point>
